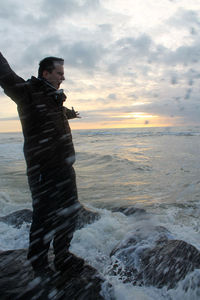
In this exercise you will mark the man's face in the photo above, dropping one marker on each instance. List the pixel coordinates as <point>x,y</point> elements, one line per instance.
<point>56,77</point>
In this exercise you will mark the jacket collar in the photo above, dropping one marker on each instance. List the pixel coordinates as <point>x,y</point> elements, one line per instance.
<point>58,95</point>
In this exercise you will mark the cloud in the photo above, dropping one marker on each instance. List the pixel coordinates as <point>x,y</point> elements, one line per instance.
<point>110,59</point>
<point>130,45</point>
<point>112,96</point>
<point>184,55</point>
<point>82,54</point>
<point>9,118</point>
<point>46,28</point>
<point>128,52</point>
<point>184,18</point>
<point>174,79</point>
<point>56,9</point>
<point>41,47</point>
<point>9,10</point>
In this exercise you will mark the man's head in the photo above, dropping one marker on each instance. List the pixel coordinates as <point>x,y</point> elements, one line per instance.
<point>52,69</point>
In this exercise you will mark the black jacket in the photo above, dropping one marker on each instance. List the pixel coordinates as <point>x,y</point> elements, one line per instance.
<point>47,135</point>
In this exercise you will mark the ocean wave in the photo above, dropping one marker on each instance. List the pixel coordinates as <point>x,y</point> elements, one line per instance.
<point>111,162</point>
<point>15,137</point>
<point>11,151</point>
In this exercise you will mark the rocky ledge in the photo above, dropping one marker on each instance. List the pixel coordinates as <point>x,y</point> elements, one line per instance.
<point>149,256</point>
<point>17,281</point>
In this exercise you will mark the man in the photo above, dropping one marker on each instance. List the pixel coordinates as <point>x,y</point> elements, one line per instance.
<point>49,155</point>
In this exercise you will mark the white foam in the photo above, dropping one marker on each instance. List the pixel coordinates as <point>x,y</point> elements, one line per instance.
<point>12,238</point>
<point>187,289</point>
<point>94,243</point>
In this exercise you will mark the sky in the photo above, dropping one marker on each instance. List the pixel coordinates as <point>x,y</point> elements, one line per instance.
<point>128,63</point>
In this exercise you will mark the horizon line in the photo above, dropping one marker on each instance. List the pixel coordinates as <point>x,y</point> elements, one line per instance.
<point>106,128</point>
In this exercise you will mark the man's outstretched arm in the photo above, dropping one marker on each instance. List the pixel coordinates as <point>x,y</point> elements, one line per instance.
<point>9,80</point>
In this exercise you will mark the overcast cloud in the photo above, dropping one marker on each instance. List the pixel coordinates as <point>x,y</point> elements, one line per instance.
<point>122,58</point>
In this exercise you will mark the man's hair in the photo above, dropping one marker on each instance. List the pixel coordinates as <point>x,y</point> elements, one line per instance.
<point>48,64</point>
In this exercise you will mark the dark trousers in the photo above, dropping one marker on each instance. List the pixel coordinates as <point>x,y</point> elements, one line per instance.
<point>55,208</point>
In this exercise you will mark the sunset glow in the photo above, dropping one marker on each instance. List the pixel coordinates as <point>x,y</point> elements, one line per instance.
<point>137,115</point>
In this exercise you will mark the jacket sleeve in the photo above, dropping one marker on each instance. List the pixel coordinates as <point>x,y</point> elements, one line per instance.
<point>71,114</point>
<point>12,84</point>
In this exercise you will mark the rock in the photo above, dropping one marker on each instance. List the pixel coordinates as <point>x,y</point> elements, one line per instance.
<point>140,236</point>
<point>154,259</point>
<point>17,278</point>
<point>17,281</point>
<point>129,210</point>
<point>17,218</point>
<point>167,263</point>
<point>86,216</point>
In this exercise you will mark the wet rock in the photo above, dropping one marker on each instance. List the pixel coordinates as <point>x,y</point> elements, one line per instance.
<point>167,263</point>
<point>17,281</point>
<point>129,210</point>
<point>140,237</point>
<point>17,218</point>
<point>86,216</point>
<point>154,259</point>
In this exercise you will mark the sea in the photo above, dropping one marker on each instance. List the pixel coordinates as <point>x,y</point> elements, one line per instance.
<point>156,169</point>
